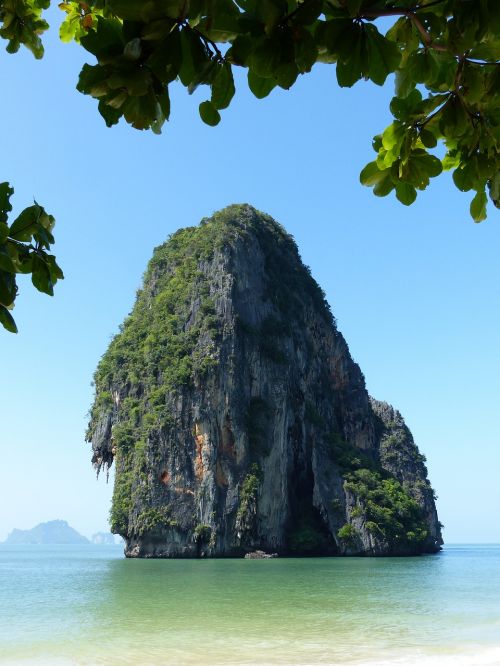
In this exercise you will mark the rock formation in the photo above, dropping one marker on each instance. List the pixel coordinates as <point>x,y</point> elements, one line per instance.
<point>104,539</point>
<point>237,419</point>
<point>53,532</point>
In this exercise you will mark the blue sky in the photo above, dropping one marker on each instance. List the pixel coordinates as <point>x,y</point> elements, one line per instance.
<point>414,290</point>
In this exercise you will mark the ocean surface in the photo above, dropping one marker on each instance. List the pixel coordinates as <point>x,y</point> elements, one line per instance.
<point>88,605</point>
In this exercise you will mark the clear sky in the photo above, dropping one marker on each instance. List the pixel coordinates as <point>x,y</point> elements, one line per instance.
<point>415,290</point>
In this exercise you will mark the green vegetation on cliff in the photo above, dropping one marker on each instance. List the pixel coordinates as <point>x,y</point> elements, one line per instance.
<point>249,491</point>
<point>386,507</point>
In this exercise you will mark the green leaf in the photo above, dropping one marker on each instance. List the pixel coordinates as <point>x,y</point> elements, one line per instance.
<point>194,56</point>
<point>494,188</point>
<point>420,167</point>
<point>165,61</point>
<point>306,51</point>
<point>205,74</point>
<point>155,31</point>
<point>135,79</point>
<point>353,6</point>
<point>241,50</point>
<point>260,86</point>
<point>8,288</point>
<point>337,37</point>
<point>371,174</point>
<point>385,185</point>
<point>451,160</point>
<point>118,100</point>
<point>392,136</point>
<point>286,74</point>
<point>141,112</point>
<point>427,138</point>
<point>7,320</point>
<point>486,51</point>
<point>443,70</point>
<point>110,114</point>
<point>270,13</point>
<point>403,108</point>
<point>223,86</point>
<point>353,61</point>
<point>405,193</point>
<point>220,28</point>
<point>209,113</point>
<point>463,179</point>
<point>403,32</point>
<point>380,179</point>
<point>125,9</point>
<point>70,27</point>
<point>404,82</point>
<point>474,83</point>
<point>265,58</point>
<point>47,221</point>
<point>6,191</point>
<point>478,206</point>
<point>307,12</point>
<point>453,118</point>
<point>392,141</point>
<point>105,39</point>
<point>41,277</point>
<point>93,80</point>
<point>383,55</point>
<point>6,263</point>
<point>222,24</point>
<point>26,264</point>
<point>422,66</point>
<point>4,231</point>
<point>162,113</point>
<point>25,225</point>
<point>54,270</point>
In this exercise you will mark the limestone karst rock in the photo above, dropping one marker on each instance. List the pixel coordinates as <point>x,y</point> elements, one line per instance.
<point>237,419</point>
<point>53,532</point>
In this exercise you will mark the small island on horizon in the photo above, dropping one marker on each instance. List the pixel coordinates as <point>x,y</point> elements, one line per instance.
<point>52,532</point>
<point>58,533</point>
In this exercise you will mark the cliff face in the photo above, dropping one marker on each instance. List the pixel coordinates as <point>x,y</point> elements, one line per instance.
<point>237,419</point>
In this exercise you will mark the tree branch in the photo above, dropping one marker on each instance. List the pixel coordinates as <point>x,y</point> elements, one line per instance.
<point>474,61</point>
<point>208,43</point>
<point>410,14</point>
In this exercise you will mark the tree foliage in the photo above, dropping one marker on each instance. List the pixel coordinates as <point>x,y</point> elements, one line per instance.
<point>24,246</point>
<point>444,54</point>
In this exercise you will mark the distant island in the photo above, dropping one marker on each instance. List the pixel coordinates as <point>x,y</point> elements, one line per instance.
<point>104,539</point>
<point>50,533</point>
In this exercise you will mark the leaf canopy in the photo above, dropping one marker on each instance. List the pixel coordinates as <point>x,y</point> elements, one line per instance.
<point>444,54</point>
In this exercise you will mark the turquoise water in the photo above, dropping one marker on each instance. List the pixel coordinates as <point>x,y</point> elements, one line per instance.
<point>88,605</point>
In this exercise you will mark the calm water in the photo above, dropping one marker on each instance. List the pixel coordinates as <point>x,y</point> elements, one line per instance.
<point>88,605</point>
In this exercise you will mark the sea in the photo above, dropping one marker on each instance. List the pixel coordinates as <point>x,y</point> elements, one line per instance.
<point>89,605</point>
